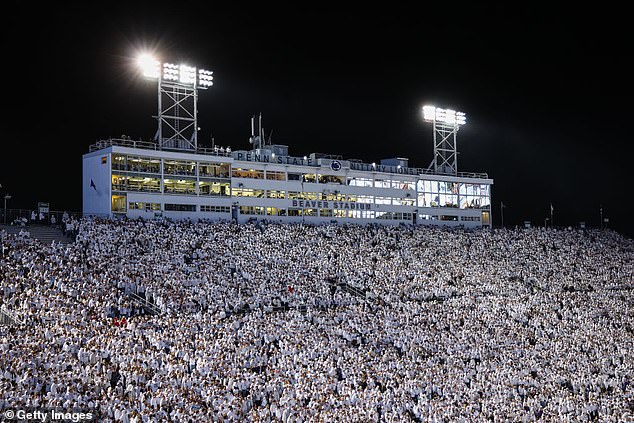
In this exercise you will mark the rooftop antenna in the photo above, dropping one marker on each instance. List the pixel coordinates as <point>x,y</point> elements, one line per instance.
<point>270,136</point>
<point>256,140</point>
<point>261,136</point>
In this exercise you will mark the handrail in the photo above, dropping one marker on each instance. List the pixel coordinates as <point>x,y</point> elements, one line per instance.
<point>148,145</point>
<point>7,317</point>
<point>145,303</point>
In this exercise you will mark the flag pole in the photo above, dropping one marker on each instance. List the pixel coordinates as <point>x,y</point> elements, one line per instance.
<point>502,212</point>
<point>551,215</point>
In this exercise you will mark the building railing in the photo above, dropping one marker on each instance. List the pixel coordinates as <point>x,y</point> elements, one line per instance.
<point>148,145</point>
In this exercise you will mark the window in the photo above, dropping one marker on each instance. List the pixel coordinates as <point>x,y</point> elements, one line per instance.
<point>213,170</point>
<point>470,218</point>
<point>256,210</point>
<point>474,196</point>
<point>215,209</point>
<point>309,196</point>
<point>275,194</point>
<point>178,167</point>
<point>118,162</point>
<point>330,179</point>
<point>145,206</point>
<point>363,199</point>
<point>393,216</point>
<point>248,173</point>
<point>248,192</point>
<point>333,196</point>
<point>180,207</point>
<point>361,214</point>
<point>325,213</point>
<point>213,188</point>
<point>119,183</point>
<point>143,164</point>
<point>403,201</point>
<point>452,194</point>
<point>294,176</point>
<point>449,218</point>
<point>309,177</point>
<point>275,176</point>
<point>144,184</point>
<point>360,182</point>
<point>382,183</point>
<point>400,184</point>
<point>179,186</point>
<point>118,204</point>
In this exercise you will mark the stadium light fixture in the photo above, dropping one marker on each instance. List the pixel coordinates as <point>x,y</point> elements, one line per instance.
<point>187,74</point>
<point>205,78</point>
<point>169,72</point>
<point>446,116</point>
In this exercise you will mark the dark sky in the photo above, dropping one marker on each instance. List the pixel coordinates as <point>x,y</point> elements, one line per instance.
<point>544,91</point>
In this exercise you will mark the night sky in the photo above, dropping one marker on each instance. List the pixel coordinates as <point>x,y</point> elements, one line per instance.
<point>544,91</point>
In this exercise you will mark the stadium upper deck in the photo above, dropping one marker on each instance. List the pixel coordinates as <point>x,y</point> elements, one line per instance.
<point>140,179</point>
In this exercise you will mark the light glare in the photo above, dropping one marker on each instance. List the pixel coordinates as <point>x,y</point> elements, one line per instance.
<point>149,66</point>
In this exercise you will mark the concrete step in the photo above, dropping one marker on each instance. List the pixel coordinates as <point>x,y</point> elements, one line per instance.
<point>43,233</point>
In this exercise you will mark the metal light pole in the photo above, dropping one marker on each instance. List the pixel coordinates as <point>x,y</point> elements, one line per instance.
<point>502,212</point>
<point>6,197</point>
<point>552,221</point>
<point>601,213</point>
<point>546,222</point>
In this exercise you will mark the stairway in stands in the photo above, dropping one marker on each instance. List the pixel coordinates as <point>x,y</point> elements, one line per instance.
<point>43,233</point>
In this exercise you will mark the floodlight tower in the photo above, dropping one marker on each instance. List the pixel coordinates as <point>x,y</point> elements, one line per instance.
<point>446,125</point>
<point>178,87</point>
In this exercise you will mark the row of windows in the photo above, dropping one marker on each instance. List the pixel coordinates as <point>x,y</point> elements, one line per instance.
<point>382,183</point>
<point>171,167</point>
<point>317,196</point>
<point>188,187</point>
<point>156,207</point>
<point>118,205</point>
<point>453,200</point>
<point>354,214</point>
<point>441,187</point>
<point>215,209</point>
<point>170,186</point>
<point>270,175</point>
<point>222,170</point>
<point>145,206</point>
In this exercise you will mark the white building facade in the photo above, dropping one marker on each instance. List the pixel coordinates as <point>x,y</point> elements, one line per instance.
<point>138,180</point>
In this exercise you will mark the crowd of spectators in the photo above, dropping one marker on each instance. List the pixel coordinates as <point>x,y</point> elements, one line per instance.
<point>149,321</point>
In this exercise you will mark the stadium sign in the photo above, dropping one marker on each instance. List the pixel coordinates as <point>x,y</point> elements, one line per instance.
<point>308,204</point>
